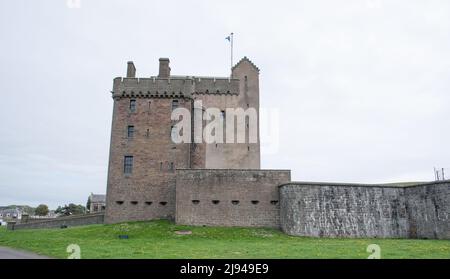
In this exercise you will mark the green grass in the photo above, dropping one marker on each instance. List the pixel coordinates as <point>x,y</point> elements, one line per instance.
<point>157,239</point>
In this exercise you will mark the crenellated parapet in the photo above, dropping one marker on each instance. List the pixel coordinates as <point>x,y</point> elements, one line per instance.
<point>173,87</point>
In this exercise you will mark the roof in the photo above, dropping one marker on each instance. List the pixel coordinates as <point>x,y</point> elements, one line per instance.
<point>248,60</point>
<point>10,210</point>
<point>97,198</point>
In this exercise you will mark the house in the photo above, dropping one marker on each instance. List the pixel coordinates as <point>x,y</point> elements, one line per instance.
<point>96,203</point>
<point>10,213</point>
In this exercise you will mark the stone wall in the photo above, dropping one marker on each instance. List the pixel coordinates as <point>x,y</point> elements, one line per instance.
<point>69,221</point>
<point>218,197</point>
<point>149,191</point>
<point>428,207</point>
<point>357,210</point>
<point>236,155</point>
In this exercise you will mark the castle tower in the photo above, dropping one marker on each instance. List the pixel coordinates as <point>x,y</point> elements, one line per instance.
<point>143,157</point>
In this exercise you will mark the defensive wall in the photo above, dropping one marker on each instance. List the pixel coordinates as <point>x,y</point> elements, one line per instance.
<point>229,197</point>
<point>358,210</point>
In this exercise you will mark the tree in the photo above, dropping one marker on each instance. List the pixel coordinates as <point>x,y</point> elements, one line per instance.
<point>71,209</point>
<point>41,210</point>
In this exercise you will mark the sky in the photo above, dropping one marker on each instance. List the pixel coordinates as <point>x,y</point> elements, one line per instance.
<point>362,88</point>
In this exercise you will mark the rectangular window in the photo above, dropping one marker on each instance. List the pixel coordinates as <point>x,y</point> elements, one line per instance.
<point>172,168</point>
<point>174,105</point>
<point>174,136</point>
<point>130,131</point>
<point>132,105</point>
<point>128,165</point>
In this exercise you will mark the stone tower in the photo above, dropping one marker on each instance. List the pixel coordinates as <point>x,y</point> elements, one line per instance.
<point>143,157</point>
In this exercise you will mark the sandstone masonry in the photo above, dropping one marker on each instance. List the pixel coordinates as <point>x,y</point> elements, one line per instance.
<point>143,158</point>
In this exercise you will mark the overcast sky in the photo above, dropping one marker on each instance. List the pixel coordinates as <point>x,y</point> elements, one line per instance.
<point>362,87</point>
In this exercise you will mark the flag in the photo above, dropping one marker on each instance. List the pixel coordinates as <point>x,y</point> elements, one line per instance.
<point>228,38</point>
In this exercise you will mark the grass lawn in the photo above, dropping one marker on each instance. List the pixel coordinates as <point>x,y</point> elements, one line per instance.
<point>157,239</point>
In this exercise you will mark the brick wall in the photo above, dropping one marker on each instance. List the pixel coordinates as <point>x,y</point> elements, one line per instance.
<point>229,197</point>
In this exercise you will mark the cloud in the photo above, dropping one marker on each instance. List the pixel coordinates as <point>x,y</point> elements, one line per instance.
<point>361,86</point>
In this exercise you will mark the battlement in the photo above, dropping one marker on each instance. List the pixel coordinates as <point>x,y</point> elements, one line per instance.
<point>166,85</point>
<point>174,86</point>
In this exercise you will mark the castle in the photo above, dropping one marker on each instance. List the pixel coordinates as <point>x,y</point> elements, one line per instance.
<point>221,184</point>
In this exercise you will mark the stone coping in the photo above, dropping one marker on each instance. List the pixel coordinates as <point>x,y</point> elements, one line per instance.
<point>388,185</point>
<point>250,170</point>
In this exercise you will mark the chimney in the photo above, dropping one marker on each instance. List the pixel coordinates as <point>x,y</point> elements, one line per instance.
<point>131,70</point>
<point>164,69</point>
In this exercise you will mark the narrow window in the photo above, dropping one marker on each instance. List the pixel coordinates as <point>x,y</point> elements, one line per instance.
<point>195,201</point>
<point>130,131</point>
<point>235,202</point>
<point>128,165</point>
<point>274,202</point>
<point>174,105</point>
<point>132,105</point>
<point>255,202</point>
<point>163,203</point>
<point>161,166</point>
<point>119,202</point>
<point>171,167</point>
<point>134,202</point>
<point>215,201</point>
<point>148,203</point>
<point>173,134</point>
<point>149,106</point>
<point>248,148</point>
<point>148,133</point>
<point>222,114</point>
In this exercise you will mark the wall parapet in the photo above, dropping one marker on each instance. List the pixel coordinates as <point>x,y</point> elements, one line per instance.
<point>173,86</point>
<point>380,185</point>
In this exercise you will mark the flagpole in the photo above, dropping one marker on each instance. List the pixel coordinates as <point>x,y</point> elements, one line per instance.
<point>231,68</point>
